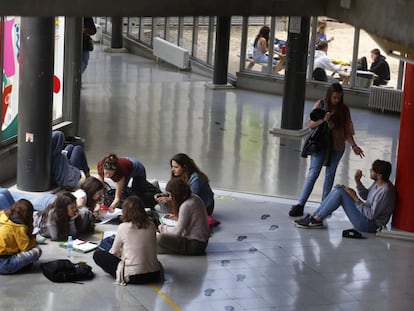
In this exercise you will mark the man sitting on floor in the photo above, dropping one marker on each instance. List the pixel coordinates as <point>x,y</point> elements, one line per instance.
<point>366,216</point>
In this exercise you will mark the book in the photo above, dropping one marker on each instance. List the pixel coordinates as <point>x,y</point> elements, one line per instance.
<point>166,220</point>
<point>80,246</point>
<point>108,216</point>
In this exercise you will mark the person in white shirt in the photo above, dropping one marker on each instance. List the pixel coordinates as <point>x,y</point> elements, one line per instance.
<point>322,60</point>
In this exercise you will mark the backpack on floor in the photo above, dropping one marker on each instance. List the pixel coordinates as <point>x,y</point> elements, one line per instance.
<point>63,270</point>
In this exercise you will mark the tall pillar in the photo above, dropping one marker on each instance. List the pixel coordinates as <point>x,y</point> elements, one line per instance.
<point>295,73</point>
<point>116,38</point>
<point>35,103</point>
<point>404,214</point>
<point>221,53</point>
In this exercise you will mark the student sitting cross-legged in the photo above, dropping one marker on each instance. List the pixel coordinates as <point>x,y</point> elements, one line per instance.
<point>133,255</point>
<point>369,215</point>
<point>190,235</point>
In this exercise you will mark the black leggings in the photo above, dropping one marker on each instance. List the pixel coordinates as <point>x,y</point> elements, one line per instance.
<point>109,263</point>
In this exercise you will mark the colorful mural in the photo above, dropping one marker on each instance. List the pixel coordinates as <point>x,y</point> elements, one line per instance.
<point>11,70</point>
<point>11,66</point>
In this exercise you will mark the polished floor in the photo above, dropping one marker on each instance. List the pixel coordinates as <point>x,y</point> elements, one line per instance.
<point>256,259</point>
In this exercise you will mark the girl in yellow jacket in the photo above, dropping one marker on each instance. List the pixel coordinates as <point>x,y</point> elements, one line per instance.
<point>17,243</point>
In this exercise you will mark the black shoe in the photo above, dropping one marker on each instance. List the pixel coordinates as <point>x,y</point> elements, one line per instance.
<point>308,222</point>
<point>296,210</point>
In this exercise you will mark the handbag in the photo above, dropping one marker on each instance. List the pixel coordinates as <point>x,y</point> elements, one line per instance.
<point>317,140</point>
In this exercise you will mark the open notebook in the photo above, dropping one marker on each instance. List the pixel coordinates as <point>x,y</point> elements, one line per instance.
<point>80,246</point>
<point>108,216</point>
<point>167,221</point>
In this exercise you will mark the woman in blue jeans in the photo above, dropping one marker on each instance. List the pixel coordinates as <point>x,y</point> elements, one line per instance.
<point>339,120</point>
<point>369,215</point>
<point>67,162</point>
<point>17,242</point>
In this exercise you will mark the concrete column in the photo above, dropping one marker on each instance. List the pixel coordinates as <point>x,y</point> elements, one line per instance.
<point>35,103</point>
<point>295,73</point>
<point>221,54</point>
<point>116,39</point>
<point>404,214</point>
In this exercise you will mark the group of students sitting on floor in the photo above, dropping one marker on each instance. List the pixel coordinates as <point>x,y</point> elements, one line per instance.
<point>131,256</point>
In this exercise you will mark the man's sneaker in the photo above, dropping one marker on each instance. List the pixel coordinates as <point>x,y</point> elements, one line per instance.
<point>296,210</point>
<point>308,222</point>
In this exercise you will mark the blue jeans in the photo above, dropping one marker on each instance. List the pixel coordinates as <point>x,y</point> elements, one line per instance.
<point>84,60</point>
<point>40,202</point>
<point>339,197</point>
<point>13,263</point>
<point>263,58</point>
<point>315,168</point>
<point>77,157</point>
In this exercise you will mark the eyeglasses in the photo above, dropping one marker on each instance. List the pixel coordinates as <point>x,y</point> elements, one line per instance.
<point>110,166</point>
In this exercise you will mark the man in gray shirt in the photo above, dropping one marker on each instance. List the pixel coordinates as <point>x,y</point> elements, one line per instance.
<point>367,215</point>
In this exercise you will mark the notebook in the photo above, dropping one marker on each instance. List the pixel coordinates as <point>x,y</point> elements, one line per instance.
<point>80,246</point>
<point>164,220</point>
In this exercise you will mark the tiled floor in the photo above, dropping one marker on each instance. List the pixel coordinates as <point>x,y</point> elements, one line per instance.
<point>256,259</point>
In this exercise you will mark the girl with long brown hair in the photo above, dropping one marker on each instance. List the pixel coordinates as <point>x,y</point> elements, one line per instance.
<point>17,243</point>
<point>133,256</point>
<point>190,235</point>
<point>339,121</point>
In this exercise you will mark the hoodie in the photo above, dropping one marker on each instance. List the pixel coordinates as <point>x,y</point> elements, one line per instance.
<point>13,237</point>
<point>63,174</point>
<point>381,69</point>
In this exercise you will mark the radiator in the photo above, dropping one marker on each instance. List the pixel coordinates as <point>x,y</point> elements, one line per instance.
<point>171,53</point>
<point>385,99</point>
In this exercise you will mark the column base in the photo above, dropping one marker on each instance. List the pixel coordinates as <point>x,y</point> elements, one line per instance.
<point>213,86</point>
<point>396,234</point>
<point>116,50</point>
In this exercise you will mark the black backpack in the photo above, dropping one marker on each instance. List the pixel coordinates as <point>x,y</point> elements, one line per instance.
<point>63,270</point>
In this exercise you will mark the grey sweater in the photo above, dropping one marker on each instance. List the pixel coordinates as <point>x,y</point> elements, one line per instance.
<point>379,202</point>
<point>192,221</point>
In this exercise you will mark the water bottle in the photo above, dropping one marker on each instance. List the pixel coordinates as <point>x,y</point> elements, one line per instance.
<point>69,247</point>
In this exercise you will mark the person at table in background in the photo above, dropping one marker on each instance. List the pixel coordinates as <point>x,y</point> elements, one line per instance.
<point>322,61</point>
<point>190,235</point>
<point>17,243</point>
<point>369,215</point>
<point>321,35</point>
<point>121,170</point>
<point>339,120</point>
<point>184,167</point>
<point>261,48</point>
<point>132,257</point>
<point>380,67</point>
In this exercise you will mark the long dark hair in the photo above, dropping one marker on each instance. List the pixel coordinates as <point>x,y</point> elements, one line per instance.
<point>22,213</point>
<point>179,191</point>
<point>263,32</point>
<point>189,165</point>
<point>133,211</point>
<point>109,162</point>
<point>91,185</point>
<point>58,211</point>
<point>338,111</point>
